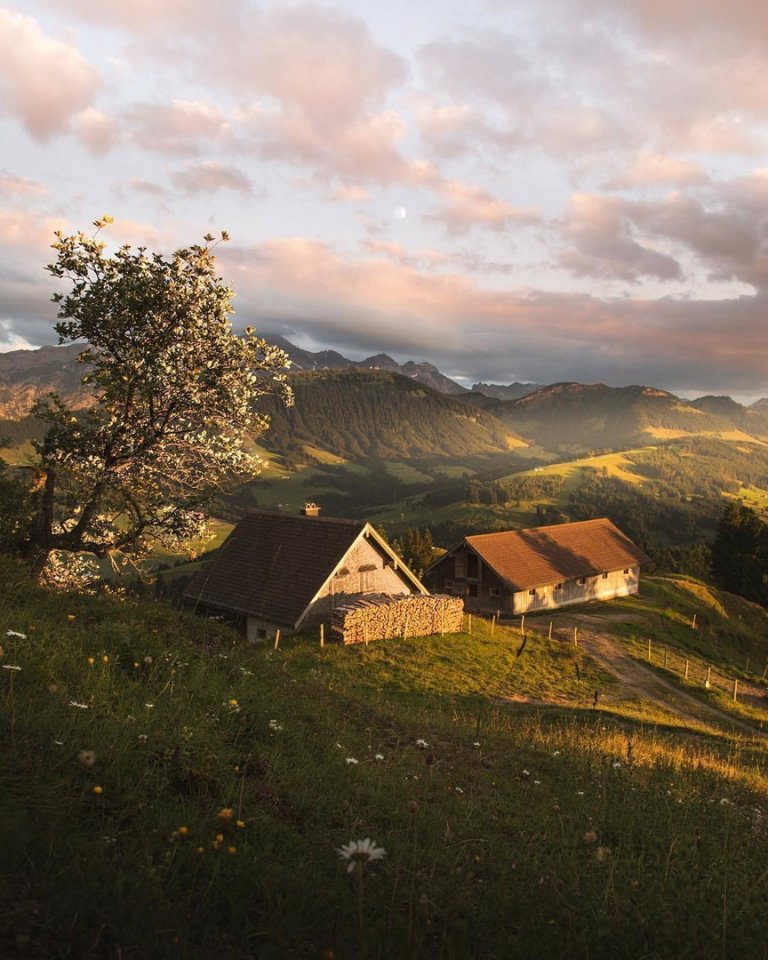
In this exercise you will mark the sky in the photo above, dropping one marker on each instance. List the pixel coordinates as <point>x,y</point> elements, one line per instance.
<point>537,190</point>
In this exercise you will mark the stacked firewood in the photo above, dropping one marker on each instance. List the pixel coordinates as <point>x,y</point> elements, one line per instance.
<point>380,616</point>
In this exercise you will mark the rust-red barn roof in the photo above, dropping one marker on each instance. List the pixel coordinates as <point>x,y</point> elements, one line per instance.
<point>566,551</point>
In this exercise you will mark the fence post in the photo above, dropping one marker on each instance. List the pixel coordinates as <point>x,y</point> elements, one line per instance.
<point>469,628</point>
<point>735,689</point>
<point>522,625</point>
<point>687,662</point>
<point>322,634</point>
<point>708,684</point>
<point>693,622</point>
<point>575,636</point>
<point>493,625</point>
<point>550,631</point>
<point>649,648</point>
<point>277,639</point>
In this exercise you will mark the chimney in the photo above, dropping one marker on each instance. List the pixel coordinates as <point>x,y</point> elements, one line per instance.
<point>310,509</point>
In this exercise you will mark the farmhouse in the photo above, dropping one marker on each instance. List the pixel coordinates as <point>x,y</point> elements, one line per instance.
<point>289,571</point>
<point>518,571</point>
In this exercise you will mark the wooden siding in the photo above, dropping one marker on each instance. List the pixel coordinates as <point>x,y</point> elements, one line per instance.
<point>616,583</point>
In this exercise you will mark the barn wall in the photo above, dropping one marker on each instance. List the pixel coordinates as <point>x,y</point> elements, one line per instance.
<point>363,570</point>
<point>616,584</point>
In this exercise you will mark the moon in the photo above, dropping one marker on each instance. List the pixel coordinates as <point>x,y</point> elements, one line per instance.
<point>399,213</point>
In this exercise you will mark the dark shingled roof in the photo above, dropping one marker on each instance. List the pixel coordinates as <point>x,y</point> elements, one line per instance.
<point>273,564</point>
<point>566,551</point>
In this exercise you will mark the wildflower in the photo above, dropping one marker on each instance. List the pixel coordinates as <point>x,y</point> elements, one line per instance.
<point>352,760</point>
<point>537,782</point>
<point>580,793</point>
<point>525,773</point>
<point>379,756</point>
<point>339,746</point>
<point>105,659</point>
<point>87,757</point>
<point>149,706</point>
<point>147,660</point>
<point>10,666</point>
<point>234,706</point>
<point>422,744</point>
<point>602,854</point>
<point>142,738</point>
<point>59,743</point>
<point>91,661</point>
<point>458,790</point>
<point>98,790</point>
<point>556,753</point>
<point>476,743</point>
<point>617,764</point>
<point>274,725</point>
<point>183,831</point>
<point>70,616</point>
<point>231,850</point>
<point>360,852</point>
<point>590,837</point>
<point>200,850</point>
<point>225,814</point>
<point>14,633</point>
<point>80,706</point>
<point>240,824</point>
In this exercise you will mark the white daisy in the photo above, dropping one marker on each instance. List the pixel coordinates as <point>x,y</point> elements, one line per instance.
<point>360,852</point>
<point>14,633</point>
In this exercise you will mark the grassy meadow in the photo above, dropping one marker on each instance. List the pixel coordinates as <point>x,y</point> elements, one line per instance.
<point>167,790</point>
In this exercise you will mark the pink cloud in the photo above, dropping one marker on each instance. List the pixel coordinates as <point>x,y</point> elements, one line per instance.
<point>96,131</point>
<point>13,186</point>
<point>654,169</point>
<point>464,206</point>
<point>210,177</point>
<point>44,82</point>
<point>181,126</point>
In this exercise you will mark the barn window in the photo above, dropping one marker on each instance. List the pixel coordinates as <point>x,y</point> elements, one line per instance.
<point>532,592</point>
<point>495,591</point>
<point>472,565</point>
<point>342,572</point>
<point>448,585</point>
<point>582,581</point>
<point>626,571</point>
<point>558,586</point>
<point>471,589</point>
<point>605,576</point>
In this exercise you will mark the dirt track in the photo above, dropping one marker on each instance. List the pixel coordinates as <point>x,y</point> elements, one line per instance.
<point>638,681</point>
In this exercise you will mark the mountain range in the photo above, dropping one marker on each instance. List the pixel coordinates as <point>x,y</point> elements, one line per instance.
<point>380,408</point>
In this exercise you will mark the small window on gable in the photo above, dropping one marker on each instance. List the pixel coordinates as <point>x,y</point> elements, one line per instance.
<point>605,576</point>
<point>342,572</point>
<point>582,581</point>
<point>532,592</point>
<point>495,591</point>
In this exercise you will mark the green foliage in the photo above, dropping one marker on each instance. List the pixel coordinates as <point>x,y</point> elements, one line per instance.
<point>16,513</point>
<point>415,547</point>
<point>174,393</point>
<point>740,553</point>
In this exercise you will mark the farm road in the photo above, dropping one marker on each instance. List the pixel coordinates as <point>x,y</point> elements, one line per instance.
<point>639,681</point>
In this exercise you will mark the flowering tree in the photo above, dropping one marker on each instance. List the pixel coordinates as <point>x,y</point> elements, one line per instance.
<point>175,392</point>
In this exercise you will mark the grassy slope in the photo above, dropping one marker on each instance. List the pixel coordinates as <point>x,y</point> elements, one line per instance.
<point>518,831</point>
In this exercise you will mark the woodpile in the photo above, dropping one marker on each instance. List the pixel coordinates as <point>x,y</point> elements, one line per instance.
<point>381,616</point>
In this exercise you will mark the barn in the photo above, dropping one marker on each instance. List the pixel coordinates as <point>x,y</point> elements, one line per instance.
<point>281,571</point>
<point>520,571</point>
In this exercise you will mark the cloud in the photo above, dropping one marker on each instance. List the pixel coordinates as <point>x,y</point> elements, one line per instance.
<point>180,126</point>
<point>13,186</point>
<point>209,177</point>
<point>381,301</point>
<point>653,170</point>
<point>96,131</point>
<point>600,232</point>
<point>44,82</point>
<point>465,206</point>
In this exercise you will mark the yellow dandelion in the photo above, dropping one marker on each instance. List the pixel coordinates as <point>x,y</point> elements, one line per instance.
<point>590,836</point>
<point>240,824</point>
<point>91,661</point>
<point>225,814</point>
<point>219,838</point>
<point>70,616</point>
<point>231,850</point>
<point>183,831</point>
<point>105,659</point>
<point>98,790</point>
<point>201,850</point>
<point>87,757</point>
